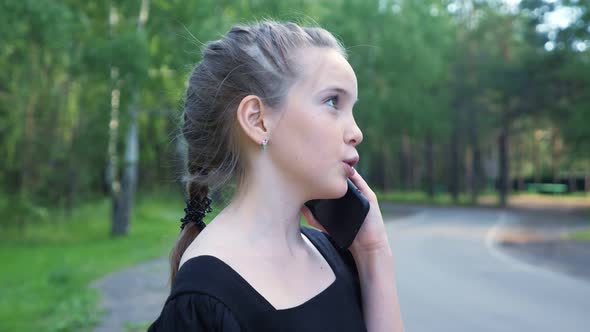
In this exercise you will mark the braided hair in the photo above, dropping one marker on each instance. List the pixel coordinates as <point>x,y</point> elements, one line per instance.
<point>197,205</point>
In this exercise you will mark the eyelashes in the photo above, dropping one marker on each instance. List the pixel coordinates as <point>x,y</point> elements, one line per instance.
<point>332,101</point>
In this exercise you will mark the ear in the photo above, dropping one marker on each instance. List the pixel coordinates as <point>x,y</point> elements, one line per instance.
<point>254,118</point>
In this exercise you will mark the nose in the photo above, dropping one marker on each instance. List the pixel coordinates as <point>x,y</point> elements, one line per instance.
<point>354,135</point>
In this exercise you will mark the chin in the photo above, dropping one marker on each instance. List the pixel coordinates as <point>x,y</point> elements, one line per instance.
<point>338,189</point>
<point>330,188</point>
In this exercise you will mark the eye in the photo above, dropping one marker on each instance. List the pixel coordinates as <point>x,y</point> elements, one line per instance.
<point>332,101</point>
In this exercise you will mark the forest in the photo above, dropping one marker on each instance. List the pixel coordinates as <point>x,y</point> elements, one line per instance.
<point>455,97</point>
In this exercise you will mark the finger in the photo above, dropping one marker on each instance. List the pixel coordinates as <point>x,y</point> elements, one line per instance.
<point>311,220</point>
<point>361,184</point>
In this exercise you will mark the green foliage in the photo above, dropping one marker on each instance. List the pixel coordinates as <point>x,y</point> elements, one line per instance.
<point>425,72</point>
<point>128,50</point>
<point>46,23</point>
<point>47,271</point>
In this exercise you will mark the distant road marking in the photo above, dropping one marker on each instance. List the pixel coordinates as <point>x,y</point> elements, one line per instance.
<point>490,242</point>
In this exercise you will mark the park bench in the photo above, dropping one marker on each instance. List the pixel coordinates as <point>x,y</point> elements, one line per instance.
<point>547,188</point>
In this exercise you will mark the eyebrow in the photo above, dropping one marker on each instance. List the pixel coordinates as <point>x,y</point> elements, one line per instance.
<point>339,90</point>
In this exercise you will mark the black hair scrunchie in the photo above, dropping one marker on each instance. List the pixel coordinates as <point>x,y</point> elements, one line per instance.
<point>195,210</point>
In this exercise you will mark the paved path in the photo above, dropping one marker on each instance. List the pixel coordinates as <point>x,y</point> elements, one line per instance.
<point>536,237</point>
<point>452,275</point>
<point>133,297</point>
<point>458,269</point>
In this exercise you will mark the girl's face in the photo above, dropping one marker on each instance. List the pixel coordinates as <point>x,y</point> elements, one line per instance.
<point>317,131</point>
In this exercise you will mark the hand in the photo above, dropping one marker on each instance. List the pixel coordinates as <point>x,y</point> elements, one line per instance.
<point>372,235</point>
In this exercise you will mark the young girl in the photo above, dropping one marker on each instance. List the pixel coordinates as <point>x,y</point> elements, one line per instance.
<point>271,106</point>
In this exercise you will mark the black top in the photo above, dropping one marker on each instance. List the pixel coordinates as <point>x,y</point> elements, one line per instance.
<point>208,295</point>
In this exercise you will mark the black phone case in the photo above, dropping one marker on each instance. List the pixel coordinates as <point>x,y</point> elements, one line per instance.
<point>341,217</point>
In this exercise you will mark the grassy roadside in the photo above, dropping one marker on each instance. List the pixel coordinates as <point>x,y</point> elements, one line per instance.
<point>46,273</point>
<point>584,234</point>
<point>420,197</point>
<point>486,198</point>
<point>490,199</point>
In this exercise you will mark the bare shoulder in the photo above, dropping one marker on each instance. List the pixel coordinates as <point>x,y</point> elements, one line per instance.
<point>205,243</point>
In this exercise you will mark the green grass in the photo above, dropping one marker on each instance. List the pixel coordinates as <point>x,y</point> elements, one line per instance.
<point>137,327</point>
<point>584,234</point>
<point>420,197</point>
<point>580,194</point>
<point>47,270</point>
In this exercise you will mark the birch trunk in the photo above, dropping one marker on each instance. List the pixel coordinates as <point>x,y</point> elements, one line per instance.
<point>123,200</point>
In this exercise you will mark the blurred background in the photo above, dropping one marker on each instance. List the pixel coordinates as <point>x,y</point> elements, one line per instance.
<point>470,108</point>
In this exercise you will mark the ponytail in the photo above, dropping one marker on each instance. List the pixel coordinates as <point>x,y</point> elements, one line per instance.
<point>192,224</point>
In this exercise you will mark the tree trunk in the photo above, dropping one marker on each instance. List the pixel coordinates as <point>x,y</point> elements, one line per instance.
<point>72,188</point>
<point>113,164</point>
<point>503,178</point>
<point>123,198</point>
<point>454,167</point>
<point>536,155</point>
<point>405,162</point>
<point>410,170</point>
<point>387,167</point>
<point>572,184</point>
<point>27,161</point>
<point>520,183</point>
<point>129,182</point>
<point>429,160</point>
<point>476,172</point>
<point>556,146</point>
<point>468,171</point>
<point>518,159</point>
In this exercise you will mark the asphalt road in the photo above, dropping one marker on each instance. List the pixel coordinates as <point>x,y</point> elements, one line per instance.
<point>452,275</point>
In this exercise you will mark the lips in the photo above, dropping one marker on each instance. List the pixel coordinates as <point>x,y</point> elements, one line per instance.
<point>351,161</point>
<point>348,165</point>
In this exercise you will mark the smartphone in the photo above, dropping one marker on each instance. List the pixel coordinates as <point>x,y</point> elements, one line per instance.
<point>341,217</point>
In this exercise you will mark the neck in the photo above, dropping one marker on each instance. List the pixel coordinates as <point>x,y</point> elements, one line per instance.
<point>265,215</point>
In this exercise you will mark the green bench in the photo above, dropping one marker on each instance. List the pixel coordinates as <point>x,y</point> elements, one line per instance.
<point>547,188</point>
